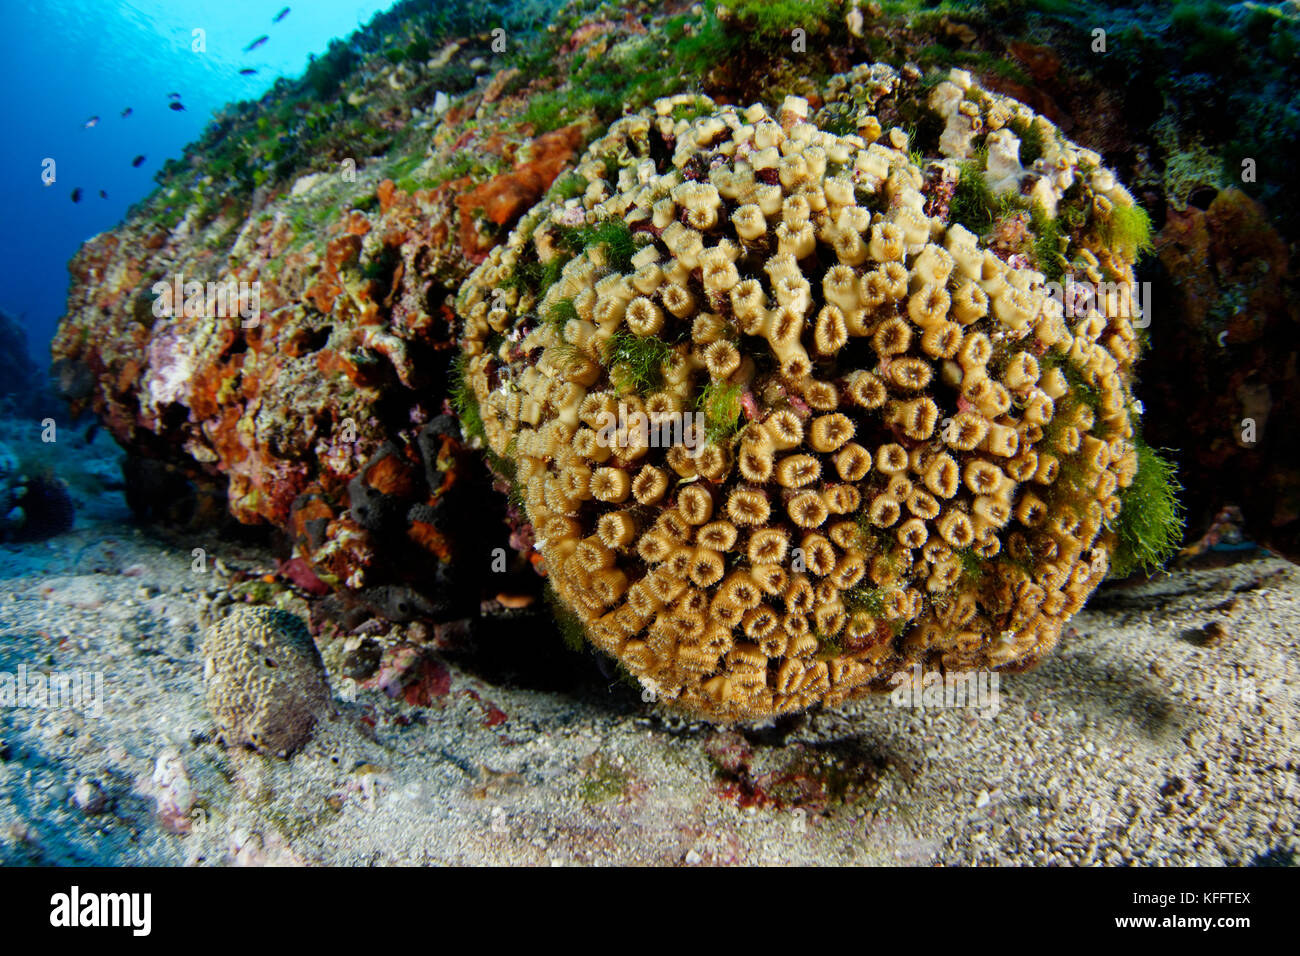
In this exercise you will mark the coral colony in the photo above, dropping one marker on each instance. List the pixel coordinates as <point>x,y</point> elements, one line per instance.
<point>926,461</point>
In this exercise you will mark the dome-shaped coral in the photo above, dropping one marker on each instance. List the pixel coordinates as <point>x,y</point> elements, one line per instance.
<point>911,450</point>
<point>266,685</point>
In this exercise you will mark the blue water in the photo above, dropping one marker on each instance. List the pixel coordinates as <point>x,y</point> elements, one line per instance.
<point>64,61</point>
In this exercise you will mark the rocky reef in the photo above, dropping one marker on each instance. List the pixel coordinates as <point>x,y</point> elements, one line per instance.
<point>273,335</point>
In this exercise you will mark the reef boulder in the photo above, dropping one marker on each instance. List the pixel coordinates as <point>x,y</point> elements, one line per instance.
<point>1222,382</point>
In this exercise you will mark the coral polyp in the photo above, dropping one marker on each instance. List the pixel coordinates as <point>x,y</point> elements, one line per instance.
<point>914,446</point>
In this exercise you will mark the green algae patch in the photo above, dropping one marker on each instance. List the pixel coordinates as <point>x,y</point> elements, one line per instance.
<point>464,402</point>
<point>1150,524</point>
<point>720,404</point>
<point>1128,228</point>
<point>603,780</point>
<point>636,363</point>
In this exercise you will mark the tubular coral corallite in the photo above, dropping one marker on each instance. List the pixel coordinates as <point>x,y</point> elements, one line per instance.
<point>930,449</point>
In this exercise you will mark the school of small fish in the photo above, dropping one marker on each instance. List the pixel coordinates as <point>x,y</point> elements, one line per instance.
<point>174,102</point>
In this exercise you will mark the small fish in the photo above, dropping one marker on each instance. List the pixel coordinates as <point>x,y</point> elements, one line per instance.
<point>138,161</point>
<point>76,194</point>
<point>280,16</point>
<point>178,107</point>
<point>248,71</point>
<point>127,112</point>
<point>256,43</point>
<point>91,432</point>
<point>91,123</point>
<point>102,194</point>
<point>173,96</point>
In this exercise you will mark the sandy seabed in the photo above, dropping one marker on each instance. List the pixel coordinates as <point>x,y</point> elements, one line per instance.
<point>1164,730</point>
